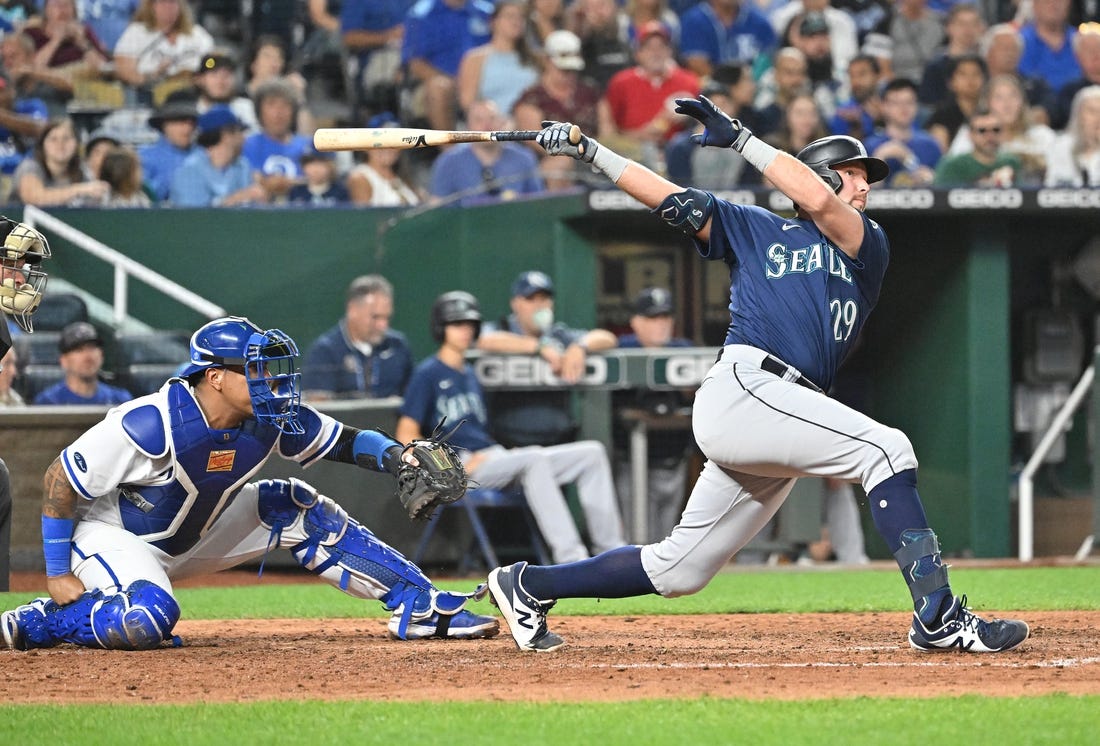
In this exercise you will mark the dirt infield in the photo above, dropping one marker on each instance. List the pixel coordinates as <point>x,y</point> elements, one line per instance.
<point>782,656</point>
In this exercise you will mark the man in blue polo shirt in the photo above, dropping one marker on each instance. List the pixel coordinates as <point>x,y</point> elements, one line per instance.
<point>360,356</point>
<point>719,31</point>
<point>437,34</point>
<point>216,174</point>
<point>81,358</point>
<point>159,160</point>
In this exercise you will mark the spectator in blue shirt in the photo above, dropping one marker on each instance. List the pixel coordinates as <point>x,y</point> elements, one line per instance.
<point>108,18</point>
<point>437,34</point>
<point>720,31</point>
<point>482,171</point>
<point>275,150</point>
<point>1048,44</point>
<point>911,153</point>
<point>159,160</point>
<point>216,174</point>
<point>360,357</point>
<point>373,31</point>
<point>322,186</point>
<point>81,359</point>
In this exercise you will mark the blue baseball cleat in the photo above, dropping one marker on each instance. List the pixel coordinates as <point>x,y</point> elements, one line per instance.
<point>461,626</point>
<point>967,633</point>
<point>526,615</point>
<point>13,624</point>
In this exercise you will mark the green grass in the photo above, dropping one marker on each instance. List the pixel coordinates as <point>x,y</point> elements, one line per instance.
<point>1038,588</point>
<point>1056,719</point>
<point>1051,719</point>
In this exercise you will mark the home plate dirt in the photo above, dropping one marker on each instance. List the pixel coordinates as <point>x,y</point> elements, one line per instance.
<point>783,656</point>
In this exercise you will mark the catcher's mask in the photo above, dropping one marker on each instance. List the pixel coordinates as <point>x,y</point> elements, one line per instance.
<point>268,359</point>
<point>825,155</point>
<point>453,307</point>
<point>22,279</point>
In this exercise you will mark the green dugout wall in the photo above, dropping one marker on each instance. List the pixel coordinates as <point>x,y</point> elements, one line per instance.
<point>939,357</point>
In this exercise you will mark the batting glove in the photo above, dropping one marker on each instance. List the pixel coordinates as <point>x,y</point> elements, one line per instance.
<point>722,130</point>
<point>554,139</point>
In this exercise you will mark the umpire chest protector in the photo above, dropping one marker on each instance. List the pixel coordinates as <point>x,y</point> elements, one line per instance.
<point>210,467</point>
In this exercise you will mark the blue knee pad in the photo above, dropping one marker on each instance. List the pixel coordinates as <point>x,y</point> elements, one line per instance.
<point>138,618</point>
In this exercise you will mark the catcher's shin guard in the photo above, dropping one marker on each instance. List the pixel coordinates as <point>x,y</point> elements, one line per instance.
<point>138,618</point>
<point>328,542</point>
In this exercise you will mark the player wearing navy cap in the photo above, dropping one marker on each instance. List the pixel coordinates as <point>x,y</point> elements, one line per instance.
<point>800,291</point>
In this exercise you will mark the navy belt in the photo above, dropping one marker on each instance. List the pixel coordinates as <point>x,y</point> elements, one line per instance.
<point>777,367</point>
<point>780,369</point>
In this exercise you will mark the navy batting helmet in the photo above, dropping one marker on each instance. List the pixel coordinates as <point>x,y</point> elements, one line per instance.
<point>827,154</point>
<point>453,307</point>
<point>269,362</point>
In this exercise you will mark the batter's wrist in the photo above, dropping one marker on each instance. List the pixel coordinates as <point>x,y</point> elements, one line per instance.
<point>758,153</point>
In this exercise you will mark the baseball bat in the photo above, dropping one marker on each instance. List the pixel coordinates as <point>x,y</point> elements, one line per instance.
<point>405,138</point>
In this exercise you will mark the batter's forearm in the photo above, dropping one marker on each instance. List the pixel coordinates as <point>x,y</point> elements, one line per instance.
<point>60,498</point>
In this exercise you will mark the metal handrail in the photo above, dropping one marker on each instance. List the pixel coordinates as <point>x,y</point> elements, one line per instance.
<point>1026,493</point>
<point>124,267</point>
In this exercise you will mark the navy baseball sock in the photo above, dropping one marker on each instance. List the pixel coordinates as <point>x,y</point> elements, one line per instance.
<point>616,573</point>
<point>899,517</point>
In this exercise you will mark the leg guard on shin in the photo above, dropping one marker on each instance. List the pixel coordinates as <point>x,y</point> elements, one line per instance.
<point>139,618</point>
<point>349,556</point>
<point>924,571</point>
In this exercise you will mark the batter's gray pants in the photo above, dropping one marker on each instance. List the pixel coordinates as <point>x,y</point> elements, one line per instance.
<point>540,470</point>
<point>760,433</point>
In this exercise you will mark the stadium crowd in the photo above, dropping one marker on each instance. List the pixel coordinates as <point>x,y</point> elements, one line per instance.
<point>145,103</point>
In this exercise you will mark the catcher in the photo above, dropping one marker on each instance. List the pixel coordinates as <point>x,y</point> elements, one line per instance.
<point>159,490</point>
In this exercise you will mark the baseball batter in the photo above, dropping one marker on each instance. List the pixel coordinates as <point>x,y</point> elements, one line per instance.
<point>159,490</point>
<point>801,289</point>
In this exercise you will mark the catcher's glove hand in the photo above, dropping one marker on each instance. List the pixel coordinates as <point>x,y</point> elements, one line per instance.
<point>438,478</point>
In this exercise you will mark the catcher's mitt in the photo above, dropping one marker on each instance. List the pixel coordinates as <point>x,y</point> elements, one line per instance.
<point>439,479</point>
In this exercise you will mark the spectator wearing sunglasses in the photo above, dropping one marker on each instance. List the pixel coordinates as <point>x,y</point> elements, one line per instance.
<point>988,164</point>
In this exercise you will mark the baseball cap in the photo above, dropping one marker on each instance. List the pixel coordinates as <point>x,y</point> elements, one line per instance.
<point>173,111</point>
<point>384,119</point>
<point>217,118</point>
<point>563,48</point>
<point>653,302</point>
<point>214,61</point>
<point>311,154</point>
<point>101,135</point>
<point>529,283</point>
<point>653,28</point>
<point>76,334</point>
<point>813,24</point>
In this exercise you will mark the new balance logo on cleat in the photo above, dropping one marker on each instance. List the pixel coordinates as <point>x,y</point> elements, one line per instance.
<point>525,615</point>
<point>966,632</point>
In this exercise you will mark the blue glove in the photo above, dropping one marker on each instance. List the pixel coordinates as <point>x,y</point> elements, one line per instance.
<point>722,130</point>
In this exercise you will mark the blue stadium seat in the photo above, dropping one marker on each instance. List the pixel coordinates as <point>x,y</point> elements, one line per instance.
<point>144,361</point>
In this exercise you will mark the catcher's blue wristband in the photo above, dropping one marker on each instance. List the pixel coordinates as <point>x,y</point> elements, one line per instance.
<point>57,537</point>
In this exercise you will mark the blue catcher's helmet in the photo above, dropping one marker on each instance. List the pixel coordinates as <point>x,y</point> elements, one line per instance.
<point>268,359</point>
<point>827,154</point>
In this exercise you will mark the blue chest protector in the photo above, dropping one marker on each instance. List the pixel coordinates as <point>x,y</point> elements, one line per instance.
<point>210,468</point>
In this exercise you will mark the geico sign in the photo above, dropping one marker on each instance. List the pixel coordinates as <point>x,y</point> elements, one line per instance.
<point>985,198</point>
<point>612,199</point>
<point>901,199</point>
<point>1069,198</point>
<point>519,370</point>
<point>686,370</point>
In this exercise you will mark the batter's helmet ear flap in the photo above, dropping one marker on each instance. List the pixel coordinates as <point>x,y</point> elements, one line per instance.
<point>825,155</point>
<point>452,307</point>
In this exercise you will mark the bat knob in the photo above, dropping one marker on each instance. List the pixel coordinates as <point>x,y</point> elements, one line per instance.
<point>574,135</point>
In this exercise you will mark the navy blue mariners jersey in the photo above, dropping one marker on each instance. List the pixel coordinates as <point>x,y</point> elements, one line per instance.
<point>436,390</point>
<point>792,292</point>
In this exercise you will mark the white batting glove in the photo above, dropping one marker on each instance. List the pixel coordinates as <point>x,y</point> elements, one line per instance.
<point>554,139</point>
